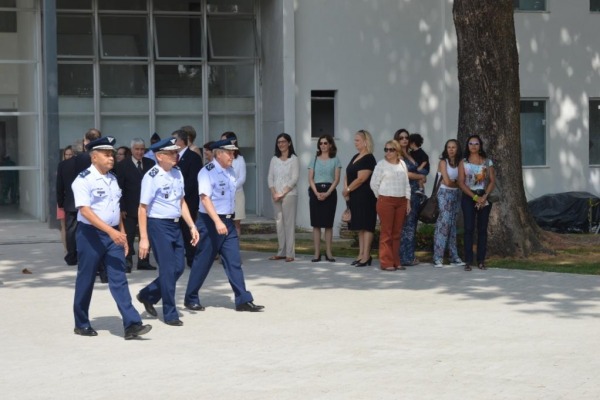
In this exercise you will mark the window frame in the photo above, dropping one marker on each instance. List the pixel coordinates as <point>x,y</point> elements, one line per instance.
<point>322,95</point>
<point>597,101</point>
<point>546,142</point>
<point>545,10</point>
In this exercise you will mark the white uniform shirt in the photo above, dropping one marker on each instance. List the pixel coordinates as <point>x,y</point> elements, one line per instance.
<point>390,180</point>
<point>162,192</point>
<point>239,166</point>
<point>219,184</point>
<point>99,192</point>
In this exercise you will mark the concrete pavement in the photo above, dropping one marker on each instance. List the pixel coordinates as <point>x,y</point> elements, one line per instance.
<point>329,331</point>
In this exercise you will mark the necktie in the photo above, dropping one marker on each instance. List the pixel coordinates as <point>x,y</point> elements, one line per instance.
<point>139,166</point>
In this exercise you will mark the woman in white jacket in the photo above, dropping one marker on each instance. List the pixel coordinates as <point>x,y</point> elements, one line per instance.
<point>390,185</point>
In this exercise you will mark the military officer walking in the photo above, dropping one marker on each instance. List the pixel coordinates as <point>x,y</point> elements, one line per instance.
<point>101,238</point>
<point>217,186</point>
<point>161,205</point>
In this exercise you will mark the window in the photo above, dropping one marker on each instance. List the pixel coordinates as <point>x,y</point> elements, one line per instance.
<point>322,108</point>
<point>8,19</point>
<point>231,38</point>
<point>595,5</point>
<point>124,36</point>
<point>529,5</point>
<point>595,132</point>
<point>178,37</point>
<point>533,132</point>
<point>74,35</point>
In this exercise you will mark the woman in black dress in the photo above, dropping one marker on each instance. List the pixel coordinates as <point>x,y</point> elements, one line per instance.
<point>360,197</point>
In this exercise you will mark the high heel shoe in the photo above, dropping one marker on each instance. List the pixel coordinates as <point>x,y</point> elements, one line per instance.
<point>317,259</point>
<point>329,259</point>
<point>355,262</point>
<point>364,264</point>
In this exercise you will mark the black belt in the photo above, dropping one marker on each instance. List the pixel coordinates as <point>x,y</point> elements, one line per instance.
<point>226,216</point>
<point>167,219</point>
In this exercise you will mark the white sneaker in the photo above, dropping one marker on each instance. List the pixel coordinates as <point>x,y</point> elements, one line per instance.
<point>458,263</point>
<point>438,264</point>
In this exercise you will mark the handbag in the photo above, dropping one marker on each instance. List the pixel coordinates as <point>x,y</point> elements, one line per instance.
<point>496,194</point>
<point>346,215</point>
<point>430,210</point>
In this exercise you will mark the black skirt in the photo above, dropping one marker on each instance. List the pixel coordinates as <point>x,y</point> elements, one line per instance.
<point>322,213</point>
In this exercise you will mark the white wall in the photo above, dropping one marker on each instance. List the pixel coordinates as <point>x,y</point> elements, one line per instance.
<point>393,65</point>
<point>559,54</point>
<point>386,60</point>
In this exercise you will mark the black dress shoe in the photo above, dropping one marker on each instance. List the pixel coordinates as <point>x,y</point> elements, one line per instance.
<point>364,264</point>
<point>174,322</point>
<point>249,306</point>
<point>194,307</point>
<point>147,305</point>
<point>88,331</point>
<point>317,259</point>
<point>136,330</point>
<point>146,267</point>
<point>330,259</point>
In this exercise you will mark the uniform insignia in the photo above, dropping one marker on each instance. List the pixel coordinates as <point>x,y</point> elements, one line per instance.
<point>210,166</point>
<point>153,172</point>
<point>85,173</point>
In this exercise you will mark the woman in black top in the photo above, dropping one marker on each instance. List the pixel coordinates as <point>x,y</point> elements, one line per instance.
<point>360,197</point>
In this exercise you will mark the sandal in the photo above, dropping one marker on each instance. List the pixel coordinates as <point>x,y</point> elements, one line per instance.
<point>482,266</point>
<point>273,258</point>
<point>467,267</point>
<point>289,259</point>
<point>401,268</point>
<point>388,268</point>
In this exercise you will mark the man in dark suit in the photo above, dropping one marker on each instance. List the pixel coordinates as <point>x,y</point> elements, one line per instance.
<point>66,173</point>
<point>130,172</point>
<point>190,164</point>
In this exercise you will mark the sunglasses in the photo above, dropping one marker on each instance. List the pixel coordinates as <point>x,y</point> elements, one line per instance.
<point>322,143</point>
<point>387,150</point>
<point>474,143</point>
<point>403,138</point>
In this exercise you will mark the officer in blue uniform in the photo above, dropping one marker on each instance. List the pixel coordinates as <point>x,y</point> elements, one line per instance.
<point>216,186</point>
<point>101,238</point>
<point>161,206</point>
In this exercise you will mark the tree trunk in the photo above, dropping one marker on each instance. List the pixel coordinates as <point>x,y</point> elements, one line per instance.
<point>488,76</point>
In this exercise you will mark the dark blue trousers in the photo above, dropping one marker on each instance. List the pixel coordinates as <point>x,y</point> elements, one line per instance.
<point>71,237</point>
<point>210,244</point>
<point>167,244</point>
<point>470,213</point>
<point>94,247</point>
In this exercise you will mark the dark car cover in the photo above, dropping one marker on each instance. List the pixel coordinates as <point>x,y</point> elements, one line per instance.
<point>566,212</point>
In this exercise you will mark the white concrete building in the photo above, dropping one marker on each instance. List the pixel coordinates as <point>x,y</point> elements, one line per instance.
<point>261,67</point>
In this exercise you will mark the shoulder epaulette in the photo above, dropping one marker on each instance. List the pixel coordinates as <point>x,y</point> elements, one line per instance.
<point>85,173</point>
<point>209,166</point>
<point>112,172</point>
<point>153,172</point>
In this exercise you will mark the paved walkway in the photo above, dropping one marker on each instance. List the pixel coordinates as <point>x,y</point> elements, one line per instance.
<point>330,331</point>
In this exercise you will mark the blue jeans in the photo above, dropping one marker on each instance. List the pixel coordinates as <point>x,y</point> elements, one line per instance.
<point>470,213</point>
